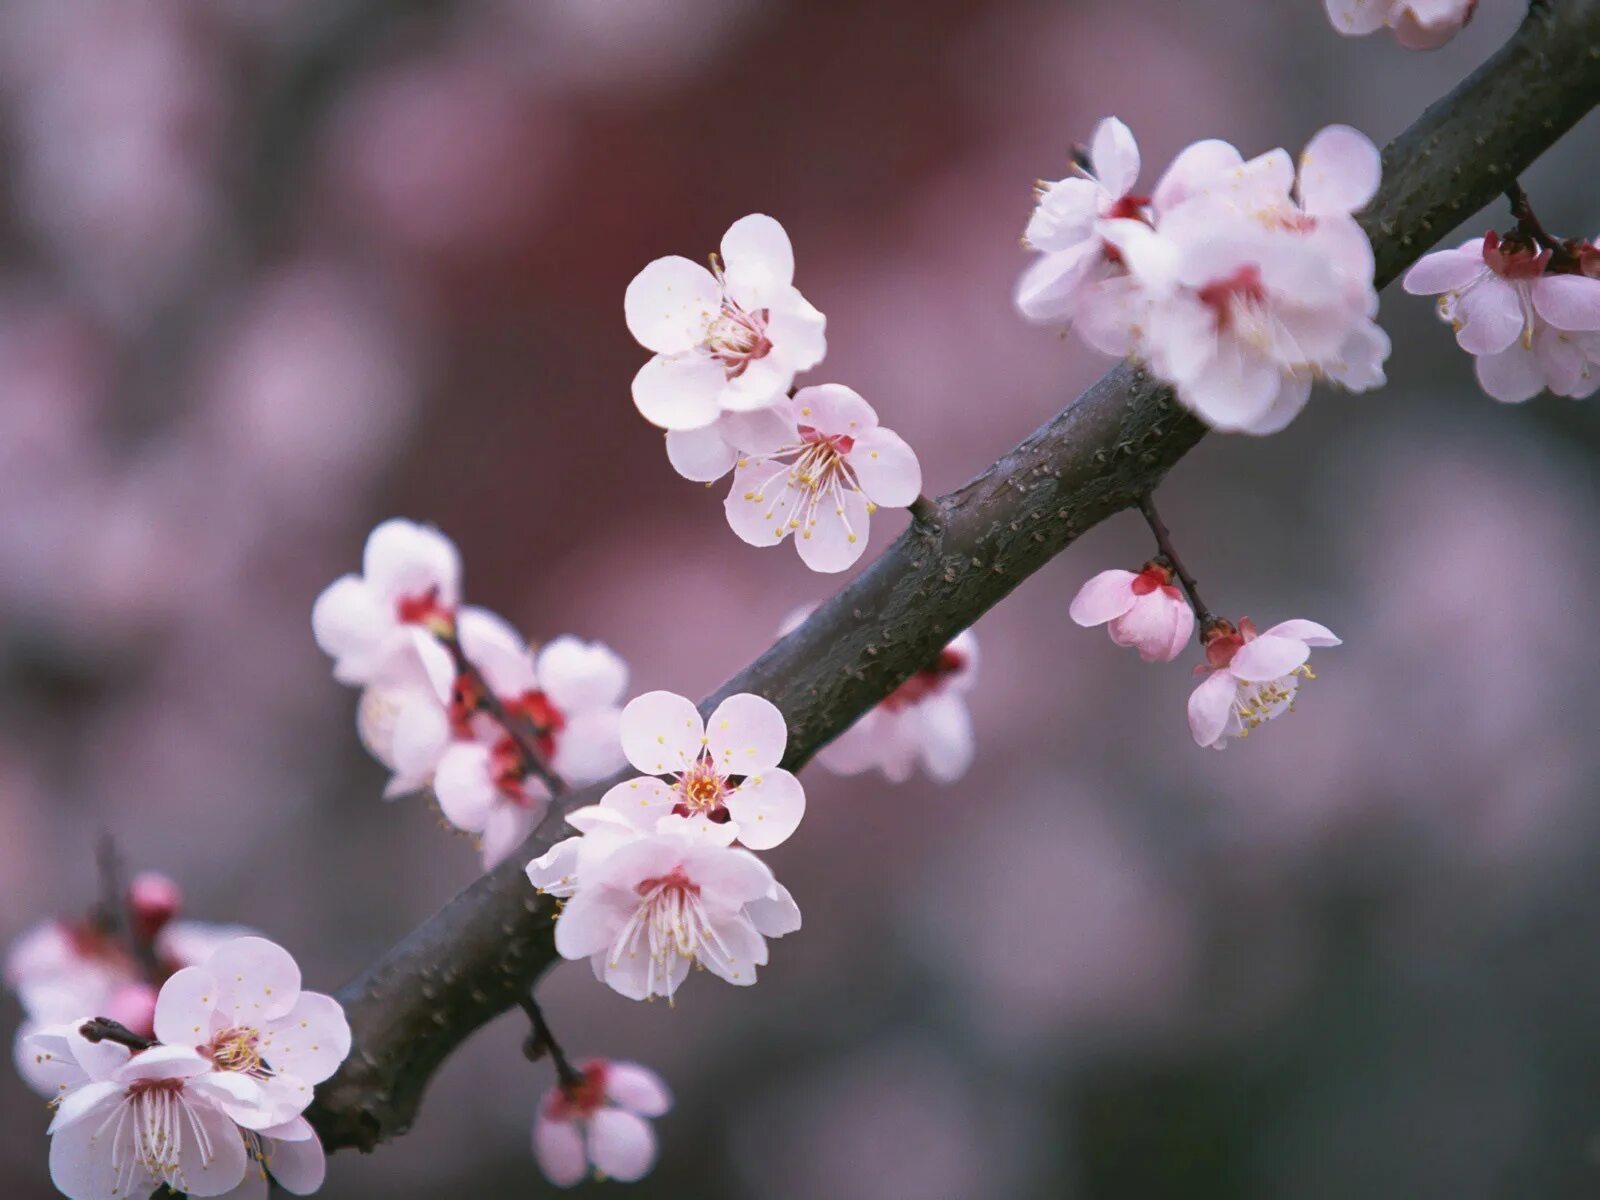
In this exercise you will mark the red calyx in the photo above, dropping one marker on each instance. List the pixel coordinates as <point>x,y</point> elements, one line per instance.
<point>926,681</point>
<point>581,1099</point>
<point>1512,257</point>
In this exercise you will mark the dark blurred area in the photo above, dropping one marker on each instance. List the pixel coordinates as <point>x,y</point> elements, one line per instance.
<point>274,270</point>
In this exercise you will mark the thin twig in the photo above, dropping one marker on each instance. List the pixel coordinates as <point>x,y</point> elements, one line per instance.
<point>1562,257</point>
<point>104,1029</point>
<point>523,733</point>
<point>1202,614</point>
<point>114,911</point>
<point>541,1041</point>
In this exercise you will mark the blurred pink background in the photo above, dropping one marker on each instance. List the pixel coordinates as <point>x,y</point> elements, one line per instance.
<point>276,269</point>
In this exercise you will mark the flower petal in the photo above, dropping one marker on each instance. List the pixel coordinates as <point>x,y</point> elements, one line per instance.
<point>1209,707</point>
<point>886,468</point>
<point>679,393</point>
<point>211,1158</point>
<point>464,788</point>
<point>760,502</point>
<point>1114,156</point>
<point>259,979</point>
<point>833,408</point>
<point>1445,271</point>
<point>768,808</point>
<point>1511,376</point>
<point>702,455</point>
<point>1340,170</point>
<point>558,1148</point>
<point>81,1162</point>
<point>836,535</point>
<point>1106,596</point>
<point>757,259</point>
<point>622,1145</point>
<point>185,1007</point>
<point>403,558</point>
<point>670,303</point>
<point>642,802</point>
<point>637,1089</point>
<point>1309,632</point>
<point>946,737</point>
<point>745,734</point>
<point>775,914</point>
<point>578,675</point>
<point>662,733</point>
<point>1570,302</point>
<point>588,922</point>
<point>300,1166</point>
<point>1270,656</point>
<point>311,1041</point>
<point>1491,317</point>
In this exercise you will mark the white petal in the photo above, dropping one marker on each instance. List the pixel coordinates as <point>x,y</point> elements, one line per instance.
<point>679,393</point>
<point>1050,287</point>
<point>1570,302</point>
<point>558,1148</point>
<point>578,675</point>
<point>662,733</point>
<point>832,408</point>
<point>83,1102</point>
<point>1309,632</point>
<point>1339,171</point>
<point>348,618</point>
<point>1511,376</point>
<point>768,808</point>
<point>466,792</point>
<point>1114,156</point>
<point>259,979</point>
<point>1270,656</point>
<point>1356,18</point>
<point>1445,271</point>
<point>506,829</point>
<point>1491,317</point>
<point>185,1006</point>
<point>670,303</point>
<point>946,736</point>
<point>637,1089</point>
<point>299,1166</point>
<point>728,877</point>
<point>1107,596</point>
<point>1234,391</point>
<point>311,1041</point>
<point>403,558</point>
<point>1293,392</point>
<point>589,748</point>
<point>836,535</point>
<point>642,802</point>
<point>745,734</point>
<point>1209,706</point>
<point>588,923</point>
<point>760,502</point>
<point>80,1162</point>
<point>763,431</point>
<point>622,1145</point>
<point>736,952</point>
<point>886,468</point>
<point>775,914</point>
<point>762,384</point>
<point>798,333</point>
<point>702,455</point>
<point>1194,172</point>
<point>211,1174</point>
<point>757,259</point>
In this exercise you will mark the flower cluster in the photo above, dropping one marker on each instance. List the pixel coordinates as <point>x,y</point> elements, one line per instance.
<point>1239,282</point>
<point>454,699</point>
<point>1528,314</point>
<point>213,1106</point>
<point>728,344</point>
<point>1250,678</point>
<point>1417,24</point>
<point>598,1123</point>
<point>653,882</point>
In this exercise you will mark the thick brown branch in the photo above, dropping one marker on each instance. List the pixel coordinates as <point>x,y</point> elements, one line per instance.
<point>480,954</point>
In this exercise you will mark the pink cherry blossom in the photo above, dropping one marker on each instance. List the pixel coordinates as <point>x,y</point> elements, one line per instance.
<point>1417,24</point>
<point>1528,328</point>
<point>1254,282</point>
<point>923,721</point>
<point>719,776</point>
<point>1067,224</point>
<point>126,1124</point>
<point>820,474</point>
<point>245,1013</point>
<point>1250,678</point>
<point>661,901</point>
<point>566,695</point>
<point>291,1154</point>
<point>411,578</point>
<point>600,1124</point>
<point>1147,611</point>
<point>726,340</point>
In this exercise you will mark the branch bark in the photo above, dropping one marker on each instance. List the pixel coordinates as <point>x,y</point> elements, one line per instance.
<point>480,954</point>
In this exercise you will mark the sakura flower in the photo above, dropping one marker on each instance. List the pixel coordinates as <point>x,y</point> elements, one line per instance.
<point>1241,297</point>
<point>1251,678</point>
<point>730,339</point>
<point>664,900</point>
<point>566,700</point>
<point>599,1124</point>
<point>406,727</point>
<point>923,721</point>
<point>411,578</point>
<point>721,776</point>
<point>1146,611</point>
<point>1528,328</point>
<point>126,1124</point>
<point>1066,225</point>
<point>1417,24</point>
<point>820,473</point>
<point>291,1154</point>
<point>600,831</point>
<point>245,1013</point>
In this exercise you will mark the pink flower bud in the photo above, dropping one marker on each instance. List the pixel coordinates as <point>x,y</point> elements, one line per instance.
<point>154,900</point>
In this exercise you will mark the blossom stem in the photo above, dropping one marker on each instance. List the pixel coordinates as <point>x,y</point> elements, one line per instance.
<point>114,913</point>
<point>1163,536</point>
<point>541,1041</point>
<point>104,1029</point>
<point>1529,225</point>
<point>926,513</point>
<point>520,729</point>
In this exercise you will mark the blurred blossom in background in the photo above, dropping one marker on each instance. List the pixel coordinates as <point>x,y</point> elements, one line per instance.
<point>276,269</point>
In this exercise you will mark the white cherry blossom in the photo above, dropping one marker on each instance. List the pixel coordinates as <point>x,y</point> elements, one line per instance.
<point>719,777</point>
<point>1417,24</point>
<point>1529,329</point>
<point>245,1013</point>
<point>820,473</point>
<point>1068,222</point>
<point>410,579</point>
<point>1146,610</point>
<point>730,339</point>
<point>600,1124</point>
<point>291,1154</point>
<point>1250,678</point>
<point>661,901</point>
<point>126,1124</point>
<point>922,722</point>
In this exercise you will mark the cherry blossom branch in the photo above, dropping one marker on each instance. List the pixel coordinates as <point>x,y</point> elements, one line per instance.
<point>1163,536</point>
<point>524,734</point>
<point>104,1029</point>
<point>1563,256</point>
<point>540,1041</point>
<point>115,913</point>
<point>481,953</point>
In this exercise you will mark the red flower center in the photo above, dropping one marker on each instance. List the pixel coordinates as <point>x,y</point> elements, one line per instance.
<point>927,682</point>
<point>582,1099</point>
<point>1221,296</point>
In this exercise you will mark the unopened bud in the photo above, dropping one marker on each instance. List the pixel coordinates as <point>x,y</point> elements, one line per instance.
<point>153,899</point>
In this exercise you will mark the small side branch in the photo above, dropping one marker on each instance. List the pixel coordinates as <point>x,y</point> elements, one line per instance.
<point>522,732</point>
<point>1202,615</point>
<point>541,1042</point>
<point>114,912</point>
<point>104,1029</point>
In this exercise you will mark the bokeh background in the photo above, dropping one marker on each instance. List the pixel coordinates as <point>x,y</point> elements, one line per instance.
<point>276,269</point>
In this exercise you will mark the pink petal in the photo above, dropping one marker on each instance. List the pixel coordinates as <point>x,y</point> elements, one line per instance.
<point>757,259</point>
<point>1108,595</point>
<point>622,1145</point>
<point>736,951</point>
<point>587,924</point>
<point>1209,707</point>
<point>311,1041</point>
<point>775,914</point>
<point>299,1166</point>
<point>641,802</point>
<point>83,1102</point>
<point>1309,632</point>
<point>222,1169</point>
<point>558,1148</point>
<point>1356,18</point>
<point>763,431</point>
<point>762,384</point>
<point>1570,302</point>
<point>185,1007</point>
<point>164,1062</point>
<point>834,409</point>
<point>1511,376</point>
<point>1491,317</point>
<point>1270,656</point>
<point>506,829</point>
<point>768,808</point>
<point>637,1089</point>
<point>836,536</point>
<point>729,877</point>
<point>1195,170</point>
<point>700,454</point>
<point>1445,271</point>
<point>662,733</point>
<point>1293,392</point>
<point>886,468</point>
<point>745,734</point>
<point>1157,625</point>
<point>759,505</point>
<point>669,304</point>
<point>81,1160</point>
<point>798,333</point>
<point>259,979</point>
<point>1114,156</point>
<point>945,737</point>
<point>1339,171</point>
<point>1049,288</point>
<point>589,749</point>
<point>462,784</point>
<point>676,393</point>
<point>577,675</point>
